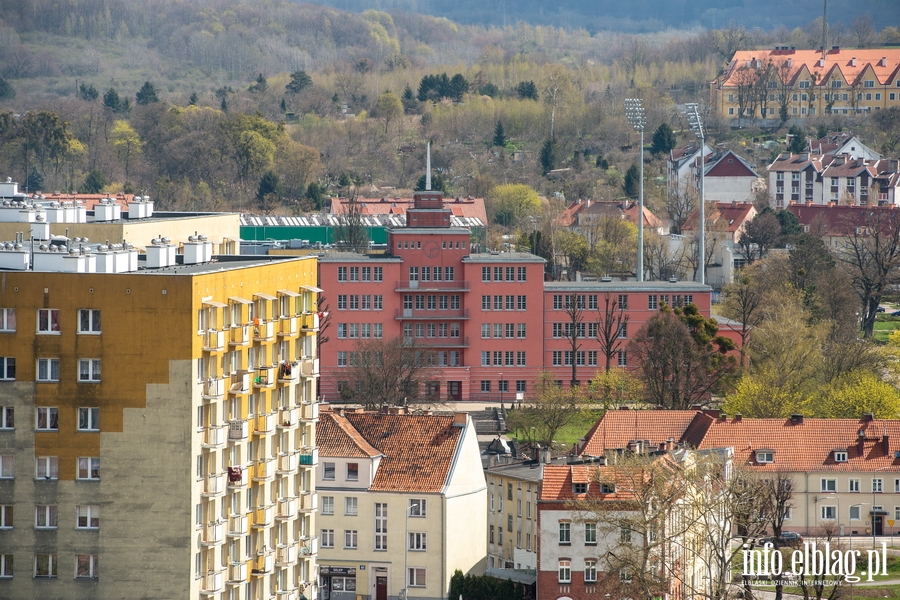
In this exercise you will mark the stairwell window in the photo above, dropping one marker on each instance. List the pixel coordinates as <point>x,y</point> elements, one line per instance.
<point>88,321</point>
<point>89,370</point>
<point>48,320</point>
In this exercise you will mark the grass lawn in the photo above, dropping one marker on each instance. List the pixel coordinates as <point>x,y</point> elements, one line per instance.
<point>575,430</point>
<point>883,329</point>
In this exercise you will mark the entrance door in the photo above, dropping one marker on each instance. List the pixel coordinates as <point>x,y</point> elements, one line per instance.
<point>381,587</point>
<point>454,390</point>
<point>878,524</point>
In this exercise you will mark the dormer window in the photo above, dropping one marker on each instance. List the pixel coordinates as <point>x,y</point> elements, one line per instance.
<point>579,488</point>
<point>607,488</point>
<point>765,456</point>
<point>840,456</point>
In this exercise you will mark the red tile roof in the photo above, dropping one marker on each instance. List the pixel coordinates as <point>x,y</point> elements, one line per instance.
<point>851,65</point>
<point>618,427</point>
<point>557,481</point>
<point>836,220</point>
<point>726,216</point>
<point>337,438</point>
<point>460,207</point>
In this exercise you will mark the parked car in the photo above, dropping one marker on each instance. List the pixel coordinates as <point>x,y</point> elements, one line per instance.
<point>896,313</point>
<point>880,309</point>
<point>787,538</point>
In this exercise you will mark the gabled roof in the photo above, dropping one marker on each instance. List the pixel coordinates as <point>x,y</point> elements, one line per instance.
<point>797,162</point>
<point>848,64</point>
<point>618,427</point>
<point>726,216</point>
<point>729,164</point>
<point>837,220</point>
<point>623,209</point>
<point>558,479</point>
<point>417,450</point>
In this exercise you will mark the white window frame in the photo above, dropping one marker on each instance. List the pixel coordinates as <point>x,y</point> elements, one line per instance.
<point>418,507</point>
<point>7,368</point>
<point>92,316</point>
<point>7,418</point>
<point>7,466</point>
<point>828,485</point>
<point>7,319</point>
<point>46,468</point>
<point>47,370</point>
<point>877,485</point>
<point>51,326</point>
<point>51,566</point>
<point>87,471</point>
<point>91,562</point>
<point>88,370</point>
<point>416,577</point>
<point>565,533</point>
<point>90,417</point>
<point>48,514</point>
<point>590,571</point>
<point>351,506</point>
<point>765,457</point>
<point>327,538</point>
<point>828,510</point>
<point>351,539</point>
<point>564,571</point>
<point>327,505</point>
<point>6,516</point>
<point>417,541</point>
<point>90,514</point>
<point>840,456</point>
<point>50,416</point>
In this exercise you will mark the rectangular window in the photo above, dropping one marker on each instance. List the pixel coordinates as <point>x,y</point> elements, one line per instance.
<point>327,538</point>
<point>417,507</point>
<point>557,301</point>
<point>829,513</point>
<point>417,541</point>
<point>342,301</point>
<point>8,317</point>
<point>485,273</point>
<point>350,539</point>
<point>829,485</point>
<point>622,358</point>
<point>7,368</point>
<point>854,485</point>
<point>565,571</point>
<point>327,505</point>
<point>510,303</point>
<point>89,468</point>
<point>7,466</point>
<point>89,370</point>
<point>565,533</point>
<point>522,273</point>
<point>557,358</point>
<point>88,320</point>
<point>328,471</point>
<point>520,385</point>
<point>48,369</point>
<point>45,566</point>
<point>590,534</point>
<point>6,516</point>
<point>87,517</point>
<point>378,274</point>
<point>522,302</point>
<point>854,513</point>
<point>623,302</point>
<point>416,577</point>
<point>350,506</point>
<point>498,358</point>
<point>46,467</point>
<point>342,273</point>
<point>520,358</point>
<point>377,302</point>
<point>45,516</point>
<point>367,302</point>
<point>46,419</point>
<point>354,302</point>
<point>414,273</point>
<point>352,471</point>
<point>590,571</point>
<point>48,320</point>
<point>623,330</point>
<point>877,486</point>
<point>485,386</point>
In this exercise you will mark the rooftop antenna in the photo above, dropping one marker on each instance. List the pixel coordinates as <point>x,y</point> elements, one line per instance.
<point>428,168</point>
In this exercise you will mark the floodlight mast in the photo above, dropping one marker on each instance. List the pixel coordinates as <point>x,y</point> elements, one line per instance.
<point>634,110</point>
<point>696,123</point>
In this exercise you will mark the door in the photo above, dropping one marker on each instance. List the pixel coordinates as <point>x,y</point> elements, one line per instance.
<point>381,587</point>
<point>878,524</point>
<point>454,390</point>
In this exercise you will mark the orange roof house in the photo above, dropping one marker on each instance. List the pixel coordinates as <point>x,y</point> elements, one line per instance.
<point>472,208</point>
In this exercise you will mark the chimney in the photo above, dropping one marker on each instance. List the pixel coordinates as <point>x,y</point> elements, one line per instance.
<point>459,419</point>
<point>886,443</point>
<point>796,419</point>
<point>804,156</point>
<point>883,61</point>
<point>853,62</point>
<point>737,418</point>
<point>868,417</point>
<point>821,62</point>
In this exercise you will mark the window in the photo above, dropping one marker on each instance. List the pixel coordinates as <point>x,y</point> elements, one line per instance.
<point>557,358</point>
<point>520,330</point>
<point>414,273</point>
<point>520,385</point>
<point>557,302</point>
<point>45,566</point>
<point>48,369</point>
<point>522,302</point>
<point>829,485</point>
<point>7,417</point>
<point>327,538</point>
<point>342,273</point>
<point>48,320</point>
<point>328,471</point>
<point>590,533</point>
<point>829,513</point>
<point>416,577</point>
<point>327,505</point>
<point>485,303</point>
<point>46,467</point>
<point>6,516</point>
<point>520,358</point>
<point>623,302</point>
<point>840,456</point>
<point>7,466</point>
<point>854,513</point>
<point>379,274</point>
<point>565,571</point>
<point>869,83</point>
<point>7,368</point>
<point>354,273</point>
<point>45,516</point>
<point>623,330</point>
<point>352,471</point>
<point>381,526</point>
<point>86,566</point>
<point>417,541</point>
<point>877,485</point>
<point>485,273</point>
<point>625,577</point>
<point>579,488</point>
<point>625,535</point>
<point>417,507</point>
<point>350,506</point>
<point>590,571</point>
<point>87,516</point>
<point>89,419</point>
<point>350,539</point>
<point>89,468</point>
<point>342,301</point>
<point>651,302</point>
<point>522,273</point>
<point>765,456</point>
<point>88,321</point>
<point>565,533</point>
<point>622,358</point>
<point>854,485</point>
<point>509,522</point>
<point>7,319</point>
<point>47,419</point>
<point>485,385</point>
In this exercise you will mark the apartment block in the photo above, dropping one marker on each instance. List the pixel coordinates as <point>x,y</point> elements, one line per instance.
<point>512,515</point>
<point>158,422</point>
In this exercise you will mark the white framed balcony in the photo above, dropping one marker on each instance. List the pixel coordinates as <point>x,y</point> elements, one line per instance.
<point>309,456</point>
<point>240,383</point>
<point>238,429</point>
<point>263,331</point>
<point>265,423</point>
<point>237,572</point>
<point>265,562</point>
<point>238,525</point>
<point>287,463</point>
<point>213,534</point>
<point>264,516</point>
<point>214,388</point>
<point>309,367</point>
<point>214,485</point>
<point>309,322</point>
<point>212,583</point>
<point>309,411</point>
<point>240,335</point>
<point>286,595</point>
<point>264,470</point>
<point>214,341</point>
<point>288,371</point>
<point>288,418</point>
<point>286,555</point>
<point>215,437</point>
<point>309,502</point>
<point>288,326</point>
<point>238,477</point>
<point>287,508</point>
<point>310,547</point>
<point>265,378</point>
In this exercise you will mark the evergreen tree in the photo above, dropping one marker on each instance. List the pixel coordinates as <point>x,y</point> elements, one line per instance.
<point>458,87</point>
<point>314,193</point>
<point>632,181</point>
<point>663,139</point>
<point>224,105</point>
<point>93,183</point>
<point>299,81</point>
<point>34,182</point>
<point>192,101</point>
<point>7,92</point>
<point>283,106</point>
<point>499,135</point>
<point>437,183</point>
<point>88,93</point>
<point>147,94</point>
<point>269,193</point>
<point>261,84</point>
<point>111,100</point>
<point>548,155</point>
<point>797,141</point>
<point>527,90</point>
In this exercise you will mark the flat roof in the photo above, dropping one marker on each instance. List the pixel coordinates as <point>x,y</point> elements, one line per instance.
<point>356,257</point>
<point>503,256</point>
<point>626,286</point>
<point>222,263</point>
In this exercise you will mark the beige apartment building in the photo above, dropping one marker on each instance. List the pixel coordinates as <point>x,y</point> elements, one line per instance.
<point>512,515</point>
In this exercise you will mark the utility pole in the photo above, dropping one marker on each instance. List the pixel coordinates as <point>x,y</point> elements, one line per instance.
<point>696,123</point>
<point>634,110</point>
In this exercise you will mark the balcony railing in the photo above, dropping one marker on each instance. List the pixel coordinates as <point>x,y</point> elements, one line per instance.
<point>289,326</point>
<point>309,367</point>
<point>263,331</point>
<point>309,411</point>
<point>237,525</point>
<point>238,429</point>
<point>238,477</point>
<point>287,508</point>
<point>214,341</point>
<point>286,555</point>
<point>240,383</point>
<point>265,377</point>
<point>405,286</point>
<point>215,437</point>
<point>287,463</point>
<point>237,572</point>
<point>310,547</point>
<point>309,322</point>
<point>240,335</point>
<point>265,423</point>
<point>309,457</point>
<point>264,470</point>
<point>288,371</point>
<point>402,314</point>
<point>214,388</point>
<point>288,418</point>
<point>309,502</point>
<point>213,534</point>
<point>263,516</point>
<point>212,583</point>
<point>265,562</point>
<point>213,485</point>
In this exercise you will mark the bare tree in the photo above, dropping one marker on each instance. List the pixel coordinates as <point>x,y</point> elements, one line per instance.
<point>611,322</point>
<point>780,493</point>
<point>759,236</point>
<point>820,587</point>
<point>742,299</point>
<point>682,202</point>
<point>351,234</point>
<point>551,408</point>
<point>574,330</point>
<point>388,371</point>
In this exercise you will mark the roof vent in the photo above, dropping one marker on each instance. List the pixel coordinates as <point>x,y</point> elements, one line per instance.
<point>868,417</point>
<point>796,419</point>
<point>606,279</point>
<point>673,280</point>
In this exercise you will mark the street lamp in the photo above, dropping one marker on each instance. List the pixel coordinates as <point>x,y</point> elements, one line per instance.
<point>696,123</point>
<point>634,110</point>
<point>873,500</point>
<point>500,385</point>
<point>859,504</point>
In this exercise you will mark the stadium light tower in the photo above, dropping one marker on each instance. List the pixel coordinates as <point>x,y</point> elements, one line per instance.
<point>696,123</point>
<point>634,110</point>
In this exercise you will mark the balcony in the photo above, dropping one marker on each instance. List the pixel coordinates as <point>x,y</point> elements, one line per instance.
<point>264,516</point>
<point>286,555</point>
<point>265,563</point>
<point>310,547</point>
<point>288,418</point>
<point>237,526</point>
<point>422,286</point>
<point>264,470</point>
<point>287,463</point>
<point>309,457</point>
<point>214,437</point>
<point>288,326</point>
<point>265,378</point>
<point>238,477</point>
<point>265,423</point>
<point>214,341</point>
<point>212,583</point>
<point>309,322</point>
<point>214,388</point>
<point>240,335</point>
<point>237,572</point>
<point>309,367</point>
<point>287,508</point>
<point>309,502</point>
<point>309,411</point>
<point>214,485</point>
<point>213,534</point>
<point>240,383</point>
<point>286,595</point>
<point>287,371</point>
<point>238,430</point>
<point>409,314</point>
<point>263,331</point>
